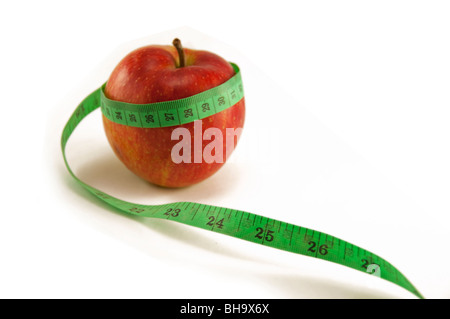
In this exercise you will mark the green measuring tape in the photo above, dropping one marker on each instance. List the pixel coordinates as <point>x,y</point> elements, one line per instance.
<point>247,226</point>
<point>176,112</point>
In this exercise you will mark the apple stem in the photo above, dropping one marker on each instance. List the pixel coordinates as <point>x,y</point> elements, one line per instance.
<point>177,44</point>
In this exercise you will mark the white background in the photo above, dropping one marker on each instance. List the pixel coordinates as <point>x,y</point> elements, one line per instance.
<point>361,151</point>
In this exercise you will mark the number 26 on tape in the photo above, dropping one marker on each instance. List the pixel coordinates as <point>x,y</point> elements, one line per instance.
<point>323,249</point>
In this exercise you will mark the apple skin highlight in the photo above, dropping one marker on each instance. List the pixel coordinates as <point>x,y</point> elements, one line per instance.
<point>153,74</point>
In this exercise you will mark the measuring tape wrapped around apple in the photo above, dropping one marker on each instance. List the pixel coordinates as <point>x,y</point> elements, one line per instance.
<point>173,116</point>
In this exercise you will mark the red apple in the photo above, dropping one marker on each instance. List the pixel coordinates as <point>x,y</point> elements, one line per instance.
<point>159,73</point>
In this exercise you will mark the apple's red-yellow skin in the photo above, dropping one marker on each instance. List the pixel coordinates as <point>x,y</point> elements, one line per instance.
<point>151,74</point>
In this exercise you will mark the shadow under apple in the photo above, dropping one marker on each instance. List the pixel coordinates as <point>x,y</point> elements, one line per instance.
<point>108,174</point>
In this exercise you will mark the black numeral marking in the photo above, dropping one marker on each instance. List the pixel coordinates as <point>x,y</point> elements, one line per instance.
<point>188,113</point>
<point>132,117</point>
<point>149,118</point>
<point>365,263</point>
<point>172,212</point>
<point>323,249</point>
<point>169,117</point>
<point>266,235</point>
<point>212,222</point>
<point>205,107</point>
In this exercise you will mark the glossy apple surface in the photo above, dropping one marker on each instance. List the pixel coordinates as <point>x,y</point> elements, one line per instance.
<point>158,73</point>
